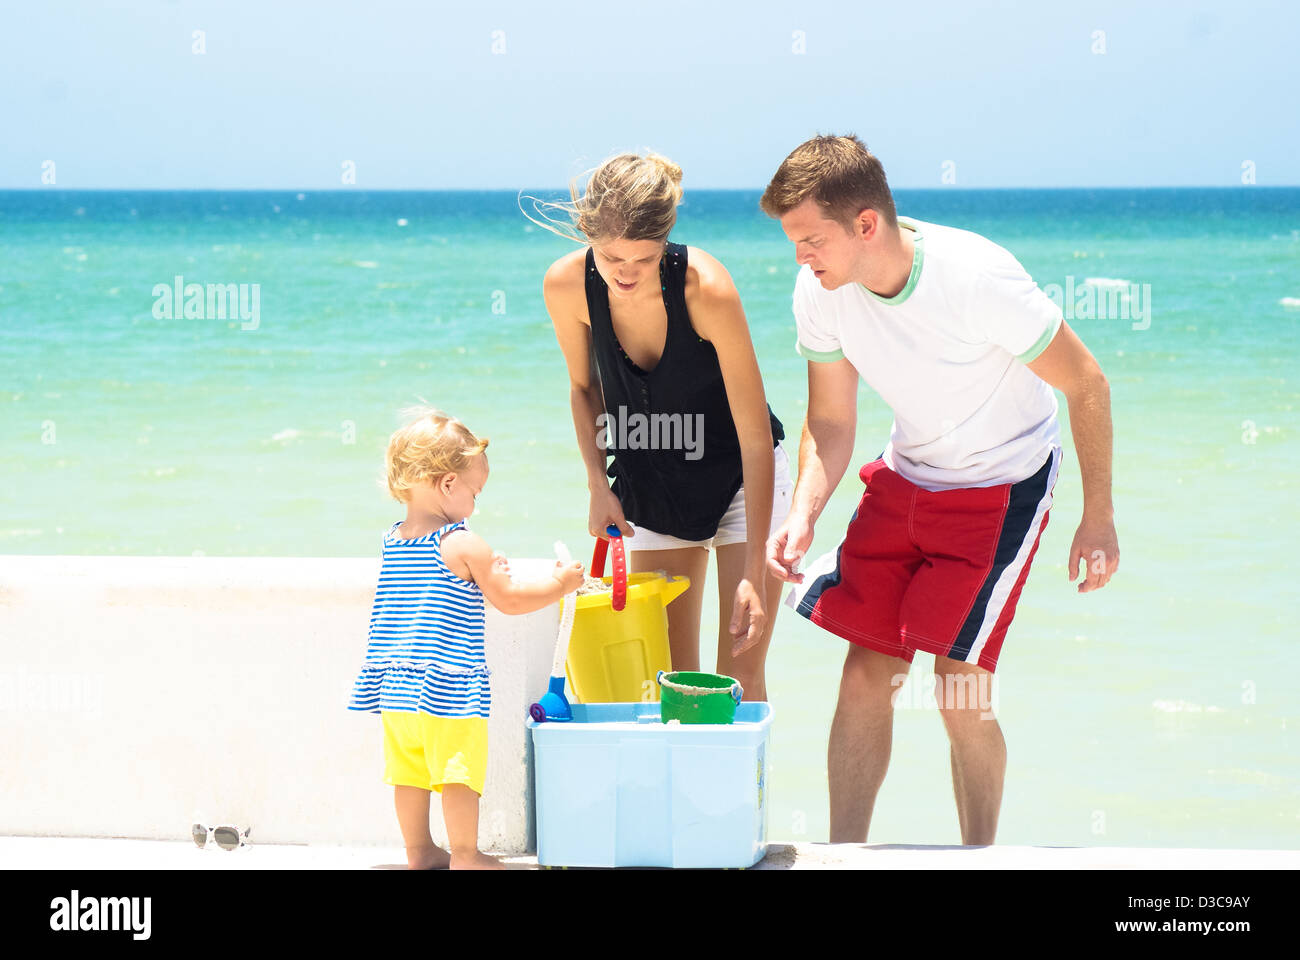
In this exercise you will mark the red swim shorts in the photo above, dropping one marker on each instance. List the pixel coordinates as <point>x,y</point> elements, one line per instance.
<point>933,571</point>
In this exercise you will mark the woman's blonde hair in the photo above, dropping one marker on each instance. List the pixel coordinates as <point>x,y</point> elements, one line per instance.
<point>429,446</point>
<point>628,197</point>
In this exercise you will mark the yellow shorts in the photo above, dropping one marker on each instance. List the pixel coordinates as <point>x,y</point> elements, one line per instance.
<point>427,752</point>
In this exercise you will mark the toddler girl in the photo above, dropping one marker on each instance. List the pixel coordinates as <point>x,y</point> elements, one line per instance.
<point>425,671</point>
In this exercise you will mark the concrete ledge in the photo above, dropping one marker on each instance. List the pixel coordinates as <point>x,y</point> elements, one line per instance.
<point>137,693</point>
<point>46,853</point>
<point>906,856</point>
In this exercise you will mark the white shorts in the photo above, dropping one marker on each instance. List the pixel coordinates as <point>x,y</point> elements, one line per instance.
<point>731,528</point>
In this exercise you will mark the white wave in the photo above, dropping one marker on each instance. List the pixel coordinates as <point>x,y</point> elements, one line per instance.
<point>285,435</point>
<point>368,264</point>
<point>1257,778</point>
<point>1108,283</point>
<point>1291,303</point>
<point>1183,706</point>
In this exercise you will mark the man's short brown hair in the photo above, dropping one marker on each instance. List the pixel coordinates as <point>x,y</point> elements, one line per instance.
<point>839,173</point>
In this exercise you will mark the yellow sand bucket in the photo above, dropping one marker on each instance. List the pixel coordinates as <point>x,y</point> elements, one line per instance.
<point>615,656</point>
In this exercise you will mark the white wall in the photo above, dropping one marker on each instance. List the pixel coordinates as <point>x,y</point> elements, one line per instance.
<point>136,692</point>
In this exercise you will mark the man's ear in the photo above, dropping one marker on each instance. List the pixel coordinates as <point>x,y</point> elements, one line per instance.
<point>868,223</point>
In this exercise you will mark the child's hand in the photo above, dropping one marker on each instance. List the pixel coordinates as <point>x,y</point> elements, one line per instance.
<point>569,574</point>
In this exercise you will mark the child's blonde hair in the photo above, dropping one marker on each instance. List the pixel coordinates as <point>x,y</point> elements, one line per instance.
<point>430,445</point>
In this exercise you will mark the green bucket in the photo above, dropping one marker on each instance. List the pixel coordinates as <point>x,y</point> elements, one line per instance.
<point>698,697</point>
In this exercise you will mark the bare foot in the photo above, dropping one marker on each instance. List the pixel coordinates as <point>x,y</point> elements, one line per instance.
<point>432,857</point>
<point>475,861</point>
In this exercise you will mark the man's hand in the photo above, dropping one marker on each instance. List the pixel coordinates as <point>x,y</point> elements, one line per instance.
<point>747,618</point>
<point>1096,544</point>
<point>788,546</point>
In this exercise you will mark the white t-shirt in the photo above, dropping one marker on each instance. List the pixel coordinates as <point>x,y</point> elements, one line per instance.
<point>948,355</point>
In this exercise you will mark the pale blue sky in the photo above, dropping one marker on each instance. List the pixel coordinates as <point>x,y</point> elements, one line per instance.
<point>413,93</point>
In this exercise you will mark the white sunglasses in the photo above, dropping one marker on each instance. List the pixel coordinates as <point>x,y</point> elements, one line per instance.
<point>227,836</point>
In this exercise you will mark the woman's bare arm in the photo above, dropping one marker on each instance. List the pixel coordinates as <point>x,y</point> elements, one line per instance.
<point>717,315</point>
<point>565,295</point>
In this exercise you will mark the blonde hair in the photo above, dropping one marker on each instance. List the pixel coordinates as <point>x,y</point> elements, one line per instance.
<point>429,446</point>
<point>840,173</point>
<point>628,197</point>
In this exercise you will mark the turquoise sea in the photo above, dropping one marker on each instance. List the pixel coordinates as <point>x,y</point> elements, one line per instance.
<point>1157,712</point>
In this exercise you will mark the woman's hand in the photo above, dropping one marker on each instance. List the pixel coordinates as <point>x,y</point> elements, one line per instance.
<point>604,510</point>
<point>748,618</point>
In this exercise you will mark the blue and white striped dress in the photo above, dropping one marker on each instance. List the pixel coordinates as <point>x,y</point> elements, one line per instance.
<point>425,653</point>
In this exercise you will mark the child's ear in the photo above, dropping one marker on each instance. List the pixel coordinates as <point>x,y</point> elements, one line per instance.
<point>446,482</point>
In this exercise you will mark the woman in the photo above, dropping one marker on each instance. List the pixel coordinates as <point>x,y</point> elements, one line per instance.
<point>663,377</point>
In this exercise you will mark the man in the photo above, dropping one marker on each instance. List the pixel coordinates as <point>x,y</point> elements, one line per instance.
<point>951,331</point>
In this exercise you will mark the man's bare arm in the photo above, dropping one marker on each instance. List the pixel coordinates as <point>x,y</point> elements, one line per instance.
<point>829,428</point>
<point>825,449</point>
<point>1070,367</point>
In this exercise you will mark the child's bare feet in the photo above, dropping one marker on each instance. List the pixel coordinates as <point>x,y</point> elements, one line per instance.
<point>460,812</point>
<point>431,857</point>
<point>475,861</point>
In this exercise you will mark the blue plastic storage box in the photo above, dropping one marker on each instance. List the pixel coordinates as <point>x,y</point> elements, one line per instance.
<point>615,787</point>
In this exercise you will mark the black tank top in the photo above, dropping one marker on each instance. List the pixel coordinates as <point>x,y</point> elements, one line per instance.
<point>676,463</point>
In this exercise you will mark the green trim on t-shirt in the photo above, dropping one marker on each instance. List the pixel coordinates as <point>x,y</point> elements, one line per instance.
<point>818,356</point>
<point>1041,343</point>
<point>918,258</point>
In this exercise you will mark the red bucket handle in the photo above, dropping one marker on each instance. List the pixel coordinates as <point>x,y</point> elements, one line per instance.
<point>619,599</point>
